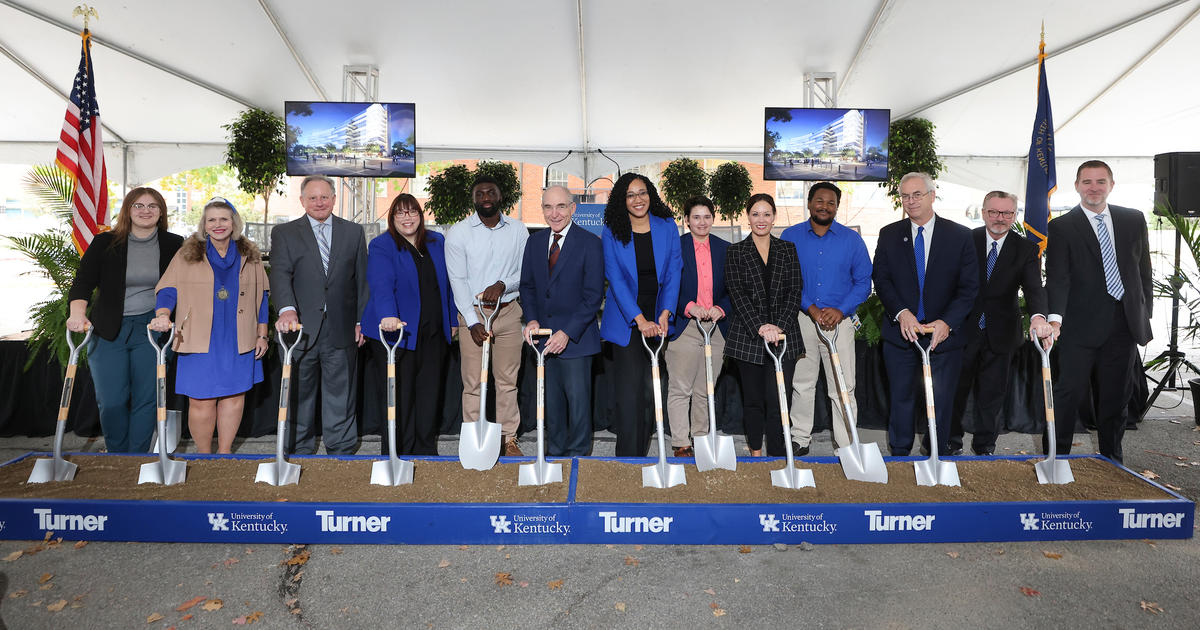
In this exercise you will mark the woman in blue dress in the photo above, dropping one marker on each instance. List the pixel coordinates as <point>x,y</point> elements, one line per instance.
<point>217,287</point>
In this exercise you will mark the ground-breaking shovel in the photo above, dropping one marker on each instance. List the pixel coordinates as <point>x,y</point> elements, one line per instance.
<point>165,471</point>
<point>174,429</point>
<point>280,472</point>
<point>1051,469</point>
<point>712,450</point>
<point>932,471</point>
<point>394,471</point>
<point>57,468</point>
<point>479,441</point>
<point>860,462</point>
<point>540,472</point>
<point>661,474</point>
<point>789,476</point>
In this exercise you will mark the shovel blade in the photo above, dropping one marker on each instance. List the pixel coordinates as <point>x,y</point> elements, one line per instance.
<point>46,469</point>
<point>792,477</point>
<point>663,475</point>
<point>1057,471</point>
<point>863,462</point>
<point>172,432</point>
<point>391,473</point>
<point>936,472</point>
<point>715,451</point>
<point>167,473</point>
<point>479,445</point>
<point>539,473</point>
<point>278,473</point>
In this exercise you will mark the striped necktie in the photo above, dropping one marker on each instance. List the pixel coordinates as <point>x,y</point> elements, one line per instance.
<point>323,245</point>
<point>991,264</point>
<point>919,254</point>
<point>1112,275</point>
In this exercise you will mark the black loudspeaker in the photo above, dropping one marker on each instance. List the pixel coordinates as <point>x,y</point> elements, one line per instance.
<point>1177,182</point>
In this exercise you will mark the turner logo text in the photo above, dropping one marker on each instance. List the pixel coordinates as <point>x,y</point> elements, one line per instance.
<point>614,524</point>
<point>331,522</point>
<point>880,522</point>
<point>69,522</point>
<point>1130,519</point>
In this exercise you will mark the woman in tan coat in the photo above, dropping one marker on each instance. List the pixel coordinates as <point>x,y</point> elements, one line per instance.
<point>217,287</point>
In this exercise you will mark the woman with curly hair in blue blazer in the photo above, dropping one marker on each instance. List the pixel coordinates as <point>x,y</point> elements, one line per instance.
<point>643,265</point>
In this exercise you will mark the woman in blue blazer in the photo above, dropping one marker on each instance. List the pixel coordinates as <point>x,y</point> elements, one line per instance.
<point>406,274</point>
<point>642,264</point>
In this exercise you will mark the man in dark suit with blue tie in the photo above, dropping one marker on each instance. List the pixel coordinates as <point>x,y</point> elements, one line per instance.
<point>926,276</point>
<point>1101,295</point>
<point>562,283</point>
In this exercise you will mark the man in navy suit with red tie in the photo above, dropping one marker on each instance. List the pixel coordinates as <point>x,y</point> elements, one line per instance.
<point>926,276</point>
<point>562,283</point>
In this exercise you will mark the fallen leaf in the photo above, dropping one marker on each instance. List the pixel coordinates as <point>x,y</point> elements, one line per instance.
<point>499,547</point>
<point>239,621</point>
<point>1171,487</point>
<point>295,611</point>
<point>443,564</point>
<point>1022,452</point>
<point>154,617</point>
<point>46,587</point>
<point>507,556</point>
<point>504,579</point>
<point>57,606</point>
<point>1052,555</point>
<point>462,547</point>
<point>37,603</point>
<point>718,612</point>
<point>1182,464</point>
<point>998,552</point>
<point>630,561</point>
<point>952,554</point>
<point>780,547</point>
<point>14,555</point>
<point>744,549</point>
<point>230,562</point>
<point>1151,543</point>
<point>46,577</point>
<point>638,547</point>
<point>1174,422</point>
<point>1151,607</point>
<point>81,544</point>
<point>713,605</point>
<point>611,546</point>
<point>710,592</point>
<point>296,578</point>
<point>1029,592</point>
<point>186,617</point>
<point>249,551</point>
<point>291,603</point>
<point>335,551</point>
<point>1149,474</point>
<point>299,558</point>
<point>254,616</point>
<point>48,536</point>
<point>620,606</point>
<point>213,604</point>
<point>18,593</point>
<point>189,603</point>
<point>736,580</point>
<point>523,584</point>
<point>463,580</point>
<point>555,585</point>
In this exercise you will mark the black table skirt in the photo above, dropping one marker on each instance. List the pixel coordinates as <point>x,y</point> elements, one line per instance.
<point>29,405</point>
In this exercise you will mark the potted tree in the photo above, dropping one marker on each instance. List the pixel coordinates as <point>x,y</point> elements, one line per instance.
<point>730,186</point>
<point>912,147</point>
<point>682,179</point>
<point>257,153</point>
<point>450,189</point>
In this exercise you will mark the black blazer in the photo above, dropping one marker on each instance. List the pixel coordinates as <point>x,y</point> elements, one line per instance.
<point>688,289</point>
<point>951,278</point>
<point>1075,287</point>
<point>1017,266</point>
<point>751,308</point>
<point>103,267</point>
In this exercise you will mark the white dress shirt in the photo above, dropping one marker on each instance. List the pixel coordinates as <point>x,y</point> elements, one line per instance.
<point>478,256</point>
<point>1112,238</point>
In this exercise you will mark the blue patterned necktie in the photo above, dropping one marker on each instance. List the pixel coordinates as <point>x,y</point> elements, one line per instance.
<point>323,245</point>
<point>991,264</point>
<point>1112,275</point>
<point>919,253</point>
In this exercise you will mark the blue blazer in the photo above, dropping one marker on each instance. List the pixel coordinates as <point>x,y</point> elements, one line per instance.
<point>687,284</point>
<point>394,292</point>
<point>951,278</point>
<point>620,267</point>
<point>569,298</point>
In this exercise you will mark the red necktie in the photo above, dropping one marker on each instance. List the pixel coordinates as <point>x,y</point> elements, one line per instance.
<point>554,251</point>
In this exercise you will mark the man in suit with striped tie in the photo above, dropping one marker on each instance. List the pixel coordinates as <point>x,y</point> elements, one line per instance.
<point>1007,262</point>
<point>319,279</point>
<point>1100,293</point>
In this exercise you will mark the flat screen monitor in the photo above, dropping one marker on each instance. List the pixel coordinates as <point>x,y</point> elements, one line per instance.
<point>351,139</point>
<point>819,144</point>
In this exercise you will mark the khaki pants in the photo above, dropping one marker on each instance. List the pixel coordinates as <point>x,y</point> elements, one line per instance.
<point>804,384</point>
<point>687,385</point>
<point>505,363</point>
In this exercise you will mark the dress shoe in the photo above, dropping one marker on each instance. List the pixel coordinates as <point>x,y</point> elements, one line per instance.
<point>684,451</point>
<point>985,451</point>
<point>799,451</point>
<point>510,447</point>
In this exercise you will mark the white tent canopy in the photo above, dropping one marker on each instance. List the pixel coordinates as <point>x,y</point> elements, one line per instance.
<point>639,80</point>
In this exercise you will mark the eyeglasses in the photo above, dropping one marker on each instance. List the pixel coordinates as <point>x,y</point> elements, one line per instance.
<point>143,206</point>
<point>631,195</point>
<point>408,212</point>
<point>917,196</point>
<point>996,214</point>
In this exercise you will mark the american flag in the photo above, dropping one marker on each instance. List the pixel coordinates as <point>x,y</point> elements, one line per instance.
<point>81,153</point>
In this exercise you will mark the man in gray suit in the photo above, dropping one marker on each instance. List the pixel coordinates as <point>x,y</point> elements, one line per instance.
<point>319,279</point>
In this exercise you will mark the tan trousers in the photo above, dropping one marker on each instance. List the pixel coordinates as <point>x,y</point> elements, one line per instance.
<point>505,363</point>
<point>804,384</point>
<point>687,385</point>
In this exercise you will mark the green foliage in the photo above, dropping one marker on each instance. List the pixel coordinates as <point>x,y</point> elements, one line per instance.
<point>54,254</point>
<point>450,190</point>
<point>257,152</point>
<point>1183,284</point>
<point>913,148</point>
<point>682,179</point>
<point>870,314</point>
<point>730,186</point>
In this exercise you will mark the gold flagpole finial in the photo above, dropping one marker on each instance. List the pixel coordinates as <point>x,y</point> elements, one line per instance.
<point>1043,31</point>
<point>87,12</point>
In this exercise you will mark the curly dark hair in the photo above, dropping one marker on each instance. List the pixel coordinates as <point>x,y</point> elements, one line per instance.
<point>616,214</point>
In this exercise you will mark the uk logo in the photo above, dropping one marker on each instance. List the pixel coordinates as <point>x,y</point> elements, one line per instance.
<point>769,522</point>
<point>1030,521</point>
<point>501,524</point>
<point>218,521</point>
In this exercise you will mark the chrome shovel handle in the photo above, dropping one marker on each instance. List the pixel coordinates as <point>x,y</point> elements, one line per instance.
<point>160,351</point>
<point>87,335</point>
<point>487,312</point>
<point>662,339</point>
<point>391,347</point>
<point>1045,352</point>
<point>782,351</point>
<point>283,345</point>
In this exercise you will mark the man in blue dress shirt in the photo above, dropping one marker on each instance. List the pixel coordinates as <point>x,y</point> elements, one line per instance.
<point>837,278</point>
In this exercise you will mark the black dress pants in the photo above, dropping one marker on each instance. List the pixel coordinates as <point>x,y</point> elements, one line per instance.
<point>760,400</point>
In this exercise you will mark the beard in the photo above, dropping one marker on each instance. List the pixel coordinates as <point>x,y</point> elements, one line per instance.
<point>824,222</point>
<point>486,212</point>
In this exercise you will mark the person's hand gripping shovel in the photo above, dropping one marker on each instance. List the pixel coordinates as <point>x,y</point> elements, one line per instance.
<point>280,472</point>
<point>712,450</point>
<point>540,472</point>
<point>860,462</point>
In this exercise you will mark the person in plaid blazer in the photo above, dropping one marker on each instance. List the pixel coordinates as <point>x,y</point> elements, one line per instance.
<point>762,276</point>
